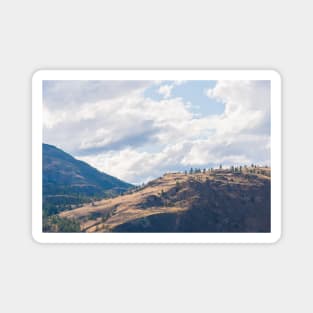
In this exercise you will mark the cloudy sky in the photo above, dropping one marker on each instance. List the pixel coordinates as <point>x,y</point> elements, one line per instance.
<point>137,130</point>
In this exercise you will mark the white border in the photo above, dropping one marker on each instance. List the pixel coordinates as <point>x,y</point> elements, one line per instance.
<point>271,75</point>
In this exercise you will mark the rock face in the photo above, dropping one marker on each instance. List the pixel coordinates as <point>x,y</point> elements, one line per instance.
<point>215,201</point>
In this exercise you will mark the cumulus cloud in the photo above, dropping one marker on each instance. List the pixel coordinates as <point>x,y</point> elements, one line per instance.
<point>135,138</point>
<point>115,124</point>
<point>166,90</point>
<point>59,94</point>
<point>247,105</point>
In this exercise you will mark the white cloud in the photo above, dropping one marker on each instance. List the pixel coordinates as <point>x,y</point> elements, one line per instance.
<point>166,90</point>
<point>72,93</point>
<point>247,105</point>
<point>137,138</point>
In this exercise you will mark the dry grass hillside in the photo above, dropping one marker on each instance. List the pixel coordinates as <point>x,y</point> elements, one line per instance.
<point>213,201</point>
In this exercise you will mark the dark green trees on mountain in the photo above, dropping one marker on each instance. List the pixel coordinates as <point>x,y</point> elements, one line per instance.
<point>68,182</point>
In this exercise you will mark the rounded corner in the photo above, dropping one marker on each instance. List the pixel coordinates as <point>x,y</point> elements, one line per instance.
<point>276,238</point>
<point>276,75</point>
<point>36,237</point>
<point>37,75</point>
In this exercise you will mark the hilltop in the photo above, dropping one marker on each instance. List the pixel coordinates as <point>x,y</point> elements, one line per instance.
<point>212,201</point>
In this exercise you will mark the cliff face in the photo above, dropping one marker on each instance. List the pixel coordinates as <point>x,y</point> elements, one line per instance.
<point>215,201</point>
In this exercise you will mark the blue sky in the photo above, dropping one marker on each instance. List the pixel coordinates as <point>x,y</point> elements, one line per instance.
<point>192,91</point>
<point>137,130</point>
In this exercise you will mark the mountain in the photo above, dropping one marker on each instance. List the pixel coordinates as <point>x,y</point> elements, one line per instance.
<point>214,201</point>
<point>68,181</point>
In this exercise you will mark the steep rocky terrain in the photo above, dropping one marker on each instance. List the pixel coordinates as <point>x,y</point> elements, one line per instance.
<point>214,201</point>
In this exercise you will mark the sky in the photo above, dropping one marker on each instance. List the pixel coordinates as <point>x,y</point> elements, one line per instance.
<point>138,130</point>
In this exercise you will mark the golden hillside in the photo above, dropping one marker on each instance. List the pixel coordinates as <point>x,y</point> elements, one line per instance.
<point>216,200</point>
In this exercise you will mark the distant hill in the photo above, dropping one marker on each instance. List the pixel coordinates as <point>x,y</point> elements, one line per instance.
<point>68,181</point>
<point>214,201</point>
